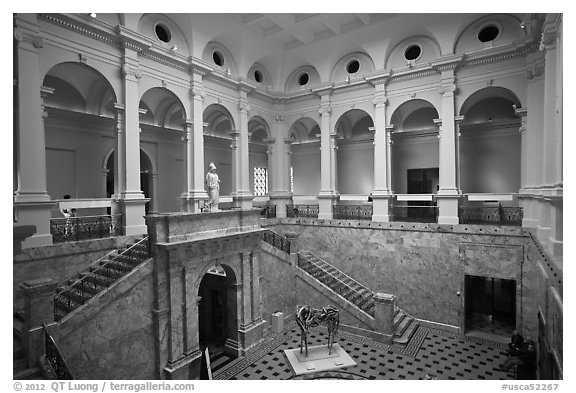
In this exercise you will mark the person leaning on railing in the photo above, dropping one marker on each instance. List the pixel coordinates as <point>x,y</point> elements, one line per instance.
<point>69,214</point>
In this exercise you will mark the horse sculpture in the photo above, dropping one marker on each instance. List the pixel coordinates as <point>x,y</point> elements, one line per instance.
<point>308,317</point>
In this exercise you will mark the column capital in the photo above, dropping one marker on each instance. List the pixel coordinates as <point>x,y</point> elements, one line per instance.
<point>550,31</point>
<point>279,118</point>
<point>325,109</point>
<point>380,101</point>
<point>447,89</point>
<point>197,92</point>
<point>130,71</point>
<point>244,106</point>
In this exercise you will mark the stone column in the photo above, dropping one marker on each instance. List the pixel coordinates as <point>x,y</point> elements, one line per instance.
<point>38,309</point>
<point>524,158</point>
<point>242,195</point>
<point>280,193</point>
<point>449,194</point>
<point>334,162</point>
<point>534,174</point>
<point>327,194</point>
<point>272,179</point>
<point>247,290</point>
<point>381,195</point>
<point>195,194</point>
<point>131,197</point>
<point>104,182</point>
<point>235,146</point>
<point>256,307</point>
<point>384,314</point>
<point>32,203</point>
<point>233,300</point>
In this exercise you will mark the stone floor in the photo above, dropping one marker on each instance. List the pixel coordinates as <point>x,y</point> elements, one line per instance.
<point>431,353</point>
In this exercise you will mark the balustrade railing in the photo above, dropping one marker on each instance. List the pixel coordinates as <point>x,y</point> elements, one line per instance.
<point>308,211</point>
<point>85,227</point>
<point>99,277</point>
<point>414,212</point>
<point>276,240</point>
<point>495,215</point>
<point>352,212</point>
<point>55,358</point>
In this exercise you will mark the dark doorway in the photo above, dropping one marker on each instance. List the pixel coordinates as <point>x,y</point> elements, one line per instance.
<point>214,324</point>
<point>422,181</point>
<point>145,173</point>
<point>490,305</point>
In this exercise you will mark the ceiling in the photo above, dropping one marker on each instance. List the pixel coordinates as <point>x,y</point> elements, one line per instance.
<point>293,30</point>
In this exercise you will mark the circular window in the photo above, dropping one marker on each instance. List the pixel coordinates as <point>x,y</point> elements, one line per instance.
<point>162,32</point>
<point>488,33</point>
<point>303,79</point>
<point>218,58</point>
<point>258,76</point>
<point>353,66</point>
<point>412,52</point>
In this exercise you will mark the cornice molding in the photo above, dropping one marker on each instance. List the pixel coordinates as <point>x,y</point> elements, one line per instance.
<point>98,33</point>
<point>447,63</point>
<point>379,77</point>
<point>323,88</point>
<point>131,40</point>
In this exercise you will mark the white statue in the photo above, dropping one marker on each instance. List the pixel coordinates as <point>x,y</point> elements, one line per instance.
<point>213,183</point>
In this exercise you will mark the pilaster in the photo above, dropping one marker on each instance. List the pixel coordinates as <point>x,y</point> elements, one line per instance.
<point>242,195</point>
<point>328,194</point>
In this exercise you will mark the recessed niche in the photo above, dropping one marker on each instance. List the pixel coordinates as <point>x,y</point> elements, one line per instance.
<point>412,52</point>
<point>353,66</point>
<point>162,32</point>
<point>303,79</point>
<point>488,33</point>
<point>218,58</point>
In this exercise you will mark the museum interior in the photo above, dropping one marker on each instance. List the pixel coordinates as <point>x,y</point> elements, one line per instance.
<point>395,179</point>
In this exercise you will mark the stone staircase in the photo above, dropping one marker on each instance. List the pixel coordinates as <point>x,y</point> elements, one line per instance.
<point>100,276</point>
<point>356,293</point>
<point>21,369</point>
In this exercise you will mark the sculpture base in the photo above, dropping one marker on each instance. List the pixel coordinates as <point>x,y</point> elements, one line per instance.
<point>318,359</point>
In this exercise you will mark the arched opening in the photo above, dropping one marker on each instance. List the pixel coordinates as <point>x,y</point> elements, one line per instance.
<point>305,158</point>
<point>217,315</point>
<point>490,144</point>
<point>146,178</point>
<point>80,111</point>
<point>415,160</point>
<point>258,159</point>
<point>218,146</point>
<point>355,154</point>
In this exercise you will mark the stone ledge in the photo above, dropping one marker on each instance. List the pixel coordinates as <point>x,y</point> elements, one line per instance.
<point>467,229</point>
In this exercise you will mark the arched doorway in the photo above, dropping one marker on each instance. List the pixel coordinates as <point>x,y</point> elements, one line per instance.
<point>217,315</point>
<point>146,172</point>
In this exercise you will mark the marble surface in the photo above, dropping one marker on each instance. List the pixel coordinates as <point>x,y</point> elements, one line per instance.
<point>422,266</point>
<point>318,359</point>
<point>112,336</point>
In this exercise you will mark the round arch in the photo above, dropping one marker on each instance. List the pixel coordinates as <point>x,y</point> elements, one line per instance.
<point>163,108</point>
<point>305,158</point>
<point>490,144</point>
<point>78,86</point>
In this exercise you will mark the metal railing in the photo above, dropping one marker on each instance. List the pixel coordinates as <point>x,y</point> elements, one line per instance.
<point>99,278</point>
<point>494,215</point>
<point>276,240</point>
<point>414,212</point>
<point>84,228</point>
<point>268,211</point>
<point>308,211</point>
<point>55,358</point>
<point>352,212</point>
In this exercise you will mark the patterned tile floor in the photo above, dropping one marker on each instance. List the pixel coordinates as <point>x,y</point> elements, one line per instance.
<point>431,352</point>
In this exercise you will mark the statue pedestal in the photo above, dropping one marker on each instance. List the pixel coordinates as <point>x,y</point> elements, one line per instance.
<point>318,359</point>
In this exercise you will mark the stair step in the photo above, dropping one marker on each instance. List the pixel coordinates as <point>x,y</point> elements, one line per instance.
<point>408,333</point>
<point>19,364</point>
<point>399,315</point>
<point>401,327</point>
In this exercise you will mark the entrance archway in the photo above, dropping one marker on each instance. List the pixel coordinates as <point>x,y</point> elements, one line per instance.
<point>217,316</point>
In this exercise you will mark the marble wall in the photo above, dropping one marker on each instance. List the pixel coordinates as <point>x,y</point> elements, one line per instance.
<point>60,262</point>
<point>277,282</point>
<point>112,336</point>
<point>422,264</point>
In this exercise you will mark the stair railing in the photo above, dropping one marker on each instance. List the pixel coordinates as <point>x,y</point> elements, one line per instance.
<point>55,357</point>
<point>335,278</point>
<point>344,274</point>
<point>77,289</point>
<point>274,239</point>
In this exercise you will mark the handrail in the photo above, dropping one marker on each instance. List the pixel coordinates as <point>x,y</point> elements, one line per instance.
<point>353,212</point>
<point>79,284</point>
<point>344,274</point>
<point>339,280</point>
<point>310,211</point>
<point>276,240</point>
<point>55,358</point>
<point>85,227</point>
